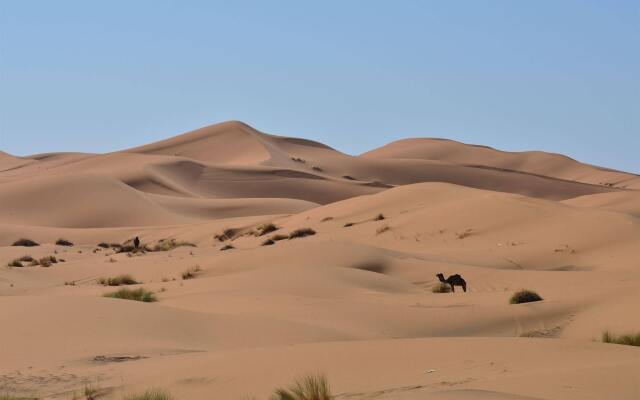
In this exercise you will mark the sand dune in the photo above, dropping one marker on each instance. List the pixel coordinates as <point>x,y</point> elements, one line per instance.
<point>354,300</point>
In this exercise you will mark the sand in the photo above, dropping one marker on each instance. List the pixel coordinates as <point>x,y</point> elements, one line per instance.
<point>353,301</point>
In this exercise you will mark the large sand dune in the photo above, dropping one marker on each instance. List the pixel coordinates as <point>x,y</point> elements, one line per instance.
<point>354,300</point>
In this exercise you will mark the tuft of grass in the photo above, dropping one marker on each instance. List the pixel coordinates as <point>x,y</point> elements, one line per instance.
<point>524,296</point>
<point>47,261</point>
<point>441,288</point>
<point>63,242</point>
<point>266,228</point>
<point>379,217</point>
<point>166,245</point>
<point>151,394</point>
<point>302,232</point>
<point>119,280</point>
<point>227,234</point>
<point>465,234</point>
<point>227,247</point>
<point>15,263</point>
<point>70,283</point>
<point>268,242</point>
<point>191,272</point>
<point>298,159</point>
<point>348,224</point>
<point>25,243</point>
<point>103,245</point>
<point>310,387</point>
<point>139,294</point>
<point>91,392</point>
<point>382,229</point>
<point>629,339</point>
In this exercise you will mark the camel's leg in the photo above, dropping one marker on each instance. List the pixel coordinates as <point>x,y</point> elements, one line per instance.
<point>453,287</point>
<point>464,287</point>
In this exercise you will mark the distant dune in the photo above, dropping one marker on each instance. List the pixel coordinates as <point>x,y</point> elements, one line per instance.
<point>272,257</point>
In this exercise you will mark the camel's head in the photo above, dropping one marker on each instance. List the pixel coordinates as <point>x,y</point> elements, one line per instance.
<point>440,276</point>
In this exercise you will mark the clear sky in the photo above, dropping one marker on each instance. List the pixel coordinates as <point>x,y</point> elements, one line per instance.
<point>559,75</point>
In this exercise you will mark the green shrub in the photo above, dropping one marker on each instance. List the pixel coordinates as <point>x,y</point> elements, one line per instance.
<point>311,387</point>
<point>302,232</point>
<point>63,242</point>
<point>152,394</point>
<point>441,287</point>
<point>524,296</point>
<point>139,294</point>
<point>118,280</point>
<point>630,339</point>
<point>25,243</point>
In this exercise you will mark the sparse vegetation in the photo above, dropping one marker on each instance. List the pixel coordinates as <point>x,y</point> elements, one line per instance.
<point>227,234</point>
<point>63,242</point>
<point>465,234</point>
<point>47,261</point>
<point>18,262</point>
<point>227,247</point>
<point>166,245</point>
<point>629,339</point>
<point>70,283</point>
<point>310,387</point>
<point>278,237</point>
<point>15,264</point>
<point>91,392</point>
<point>119,280</point>
<point>382,229</point>
<point>12,397</point>
<point>103,245</point>
<point>379,217</point>
<point>266,228</point>
<point>268,242</point>
<point>139,294</point>
<point>524,296</point>
<point>317,169</point>
<point>191,272</point>
<point>348,224</point>
<point>25,243</point>
<point>151,394</point>
<point>300,160</point>
<point>441,288</point>
<point>302,232</point>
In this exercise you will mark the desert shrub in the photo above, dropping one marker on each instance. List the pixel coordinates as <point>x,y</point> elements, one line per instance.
<point>47,261</point>
<point>139,294</point>
<point>302,232</point>
<point>441,287</point>
<point>191,272</point>
<point>91,392</point>
<point>63,242</point>
<point>118,280</point>
<point>227,247</point>
<point>227,234</point>
<point>69,283</point>
<point>103,245</point>
<point>166,245</point>
<point>276,238</point>
<point>629,339</point>
<point>266,228</point>
<point>315,168</point>
<point>268,242</point>
<point>25,258</point>
<point>524,296</point>
<point>298,159</point>
<point>151,394</point>
<point>310,387</point>
<point>25,243</point>
<point>379,217</point>
<point>348,224</point>
<point>15,263</point>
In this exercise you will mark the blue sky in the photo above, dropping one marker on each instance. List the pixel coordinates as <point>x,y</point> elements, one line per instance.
<point>561,76</point>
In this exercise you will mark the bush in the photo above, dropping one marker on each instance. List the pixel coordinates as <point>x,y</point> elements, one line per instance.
<point>348,224</point>
<point>25,243</point>
<point>266,228</point>
<point>152,394</point>
<point>302,232</point>
<point>276,238</point>
<point>297,159</point>
<point>630,339</point>
<point>166,245</point>
<point>15,263</point>
<point>47,261</point>
<point>118,280</point>
<point>133,294</point>
<point>227,247</point>
<point>268,242</point>
<point>441,287</point>
<point>379,217</point>
<point>227,234</point>
<point>524,296</point>
<point>63,242</point>
<point>191,272</point>
<point>103,245</point>
<point>311,387</point>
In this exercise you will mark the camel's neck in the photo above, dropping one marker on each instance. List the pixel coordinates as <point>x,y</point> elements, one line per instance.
<point>442,279</point>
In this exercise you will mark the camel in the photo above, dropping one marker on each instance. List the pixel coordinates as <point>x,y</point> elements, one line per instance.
<point>453,280</point>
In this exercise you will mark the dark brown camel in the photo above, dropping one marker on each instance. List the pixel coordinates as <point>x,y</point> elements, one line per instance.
<point>453,280</point>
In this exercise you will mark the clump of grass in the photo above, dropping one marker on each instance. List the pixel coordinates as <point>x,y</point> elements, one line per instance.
<point>310,387</point>
<point>139,294</point>
<point>119,280</point>
<point>302,232</point>
<point>151,394</point>
<point>91,392</point>
<point>63,242</point>
<point>316,168</point>
<point>348,224</point>
<point>266,228</point>
<point>268,242</point>
<point>103,245</point>
<point>70,283</point>
<point>298,159</point>
<point>227,234</point>
<point>227,247</point>
<point>15,264</point>
<point>191,272</point>
<point>166,245</point>
<point>47,261</point>
<point>278,237</point>
<point>441,288</point>
<point>524,296</point>
<point>382,229</point>
<point>629,339</point>
<point>379,217</point>
<point>25,243</point>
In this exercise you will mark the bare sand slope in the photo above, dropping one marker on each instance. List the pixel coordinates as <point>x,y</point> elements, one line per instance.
<point>625,202</point>
<point>535,162</point>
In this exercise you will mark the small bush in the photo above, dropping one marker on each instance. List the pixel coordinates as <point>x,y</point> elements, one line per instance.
<point>379,217</point>
<point>268,242</point>
<point>191,272</point>
<point>266,228</point>
<point>348,224</point>
<point>524,296</point>
<point>25,243</point>
<point>139,294</point>
<point>227,247</point>
<point>118,280</point>
<point>63,242</point>
<point>47,261</point>
<point>152,394</point>
<point>15,263</point>
<point>103,245</point>
<point>297,159</point>
<point>317,169</point>
<point>630,339</point>
<point>166,245</point>
<point>227,234</point>
<point>311,387</point>
<point>276,238</point>
<point>441,288</point>
<point>302,232</point>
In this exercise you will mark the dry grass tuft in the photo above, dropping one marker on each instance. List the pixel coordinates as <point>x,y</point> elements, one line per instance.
<point>47,261</point>
<point>119,280</point>
<point>379,217</point>
<point>310,387</point>
<point>139,294</point>
<point>191,272</point>
<point>348,224</point>
<point>277,238</point>
<point>63,242</point>
<point>524,296</point>
<point>302,232</point>
<point>266,228</point>
<point>268,242</point>
<point>325,219</point>
<point>441,288</point>
<point>227,247</point>
<point>382,229</point>
<point>151,394</point>
<point>166,245</point>
<point>629,339</point>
